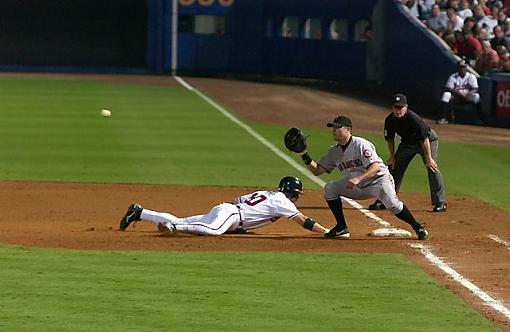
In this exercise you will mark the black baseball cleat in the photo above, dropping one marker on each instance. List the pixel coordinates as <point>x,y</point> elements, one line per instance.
<point>336,232</point>
<point>377,205</point>
<point>133,214</point>
<point>422,234</point>
<point>441,207</point>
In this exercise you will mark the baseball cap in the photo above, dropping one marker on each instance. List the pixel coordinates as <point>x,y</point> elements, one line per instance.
<point>462,63</point>
<point>340,121</point>
<point>399,100</point>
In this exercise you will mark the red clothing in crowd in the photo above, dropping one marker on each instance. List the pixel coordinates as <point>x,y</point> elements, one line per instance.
<point>470,48</point>
<point>488,61</point>
<point>486,10</point>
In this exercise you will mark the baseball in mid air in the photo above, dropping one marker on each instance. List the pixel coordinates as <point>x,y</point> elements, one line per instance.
<point>106,113</point>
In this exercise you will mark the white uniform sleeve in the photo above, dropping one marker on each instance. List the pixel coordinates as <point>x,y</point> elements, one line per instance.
<point>284,207</point>
<point>473,82</point>
<point>243,198</point>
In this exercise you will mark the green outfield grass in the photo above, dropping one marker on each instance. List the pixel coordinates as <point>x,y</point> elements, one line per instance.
<point>52,131</point>
<point>48,290</point>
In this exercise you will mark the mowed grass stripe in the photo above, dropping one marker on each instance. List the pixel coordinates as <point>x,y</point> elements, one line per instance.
<point>112,291</point>
<point>155,135</point>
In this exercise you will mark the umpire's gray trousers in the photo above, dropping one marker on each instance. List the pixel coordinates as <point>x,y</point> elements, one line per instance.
<point>403,156</point>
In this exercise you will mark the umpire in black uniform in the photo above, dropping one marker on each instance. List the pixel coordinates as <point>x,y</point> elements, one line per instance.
<point>415,137</point>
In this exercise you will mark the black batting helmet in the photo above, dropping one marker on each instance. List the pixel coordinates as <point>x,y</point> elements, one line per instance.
<point>290,186</point>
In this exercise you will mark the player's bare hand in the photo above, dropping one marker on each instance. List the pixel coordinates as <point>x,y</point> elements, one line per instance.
<point>432,165</point>
<point>390,162</point>
<point>352,182</point>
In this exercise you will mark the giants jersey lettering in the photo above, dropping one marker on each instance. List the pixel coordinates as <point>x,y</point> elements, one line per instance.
<point>264,207</point>
<point>355,160</point>
<point>349,164</point>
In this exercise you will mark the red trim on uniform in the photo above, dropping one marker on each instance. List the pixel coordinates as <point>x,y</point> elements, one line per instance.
<point>206,225</point>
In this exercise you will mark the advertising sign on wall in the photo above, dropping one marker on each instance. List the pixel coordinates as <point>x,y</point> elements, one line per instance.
<point>503,100</point>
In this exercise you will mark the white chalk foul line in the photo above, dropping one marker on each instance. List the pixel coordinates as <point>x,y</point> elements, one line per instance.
<point>438,262</point>
<point>488,300</point>
<point>499,240</point>
<point>303,170</point>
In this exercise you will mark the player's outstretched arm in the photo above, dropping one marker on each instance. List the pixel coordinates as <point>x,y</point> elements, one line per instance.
<point>312,165</point>
<point>309,224</point>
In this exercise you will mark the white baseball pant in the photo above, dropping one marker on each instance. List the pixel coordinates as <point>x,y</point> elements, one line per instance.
<point>472,97</point>
<point>220,219</point>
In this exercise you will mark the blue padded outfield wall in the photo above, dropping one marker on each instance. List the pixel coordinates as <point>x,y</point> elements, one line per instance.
<point>252,41</point>
<point>320,41</point>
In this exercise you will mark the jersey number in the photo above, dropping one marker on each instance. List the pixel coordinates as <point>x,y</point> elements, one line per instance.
<point>255,199</point>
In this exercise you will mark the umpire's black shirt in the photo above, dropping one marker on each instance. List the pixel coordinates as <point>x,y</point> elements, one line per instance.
<point>411,128</point>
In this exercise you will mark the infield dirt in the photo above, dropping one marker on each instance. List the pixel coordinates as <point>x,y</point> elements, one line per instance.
<point>86,216</point>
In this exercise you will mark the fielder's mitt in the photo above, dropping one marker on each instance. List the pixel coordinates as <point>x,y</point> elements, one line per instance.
<point>295,140</point>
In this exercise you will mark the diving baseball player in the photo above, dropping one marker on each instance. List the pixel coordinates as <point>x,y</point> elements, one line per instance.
<point>245,213</point>
<point>364,175</point>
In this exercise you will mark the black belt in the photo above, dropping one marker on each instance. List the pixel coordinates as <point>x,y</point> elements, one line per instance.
<point>240,215</point>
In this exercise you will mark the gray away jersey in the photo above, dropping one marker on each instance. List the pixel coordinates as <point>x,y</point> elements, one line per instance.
<point>360,154</point>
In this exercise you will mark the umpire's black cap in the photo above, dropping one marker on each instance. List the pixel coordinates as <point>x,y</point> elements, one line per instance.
<point>399,100</point>
<point>340,121</point>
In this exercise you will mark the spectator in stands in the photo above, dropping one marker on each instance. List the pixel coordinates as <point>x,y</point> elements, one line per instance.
<point>450,41</point>
<point>478,13</point>
<point>453,4</point>
<point>499,38</point>
<point>502,18</point>
<point>467,46</point>
<point>506,7</point>
<point>464,10</point>
<point>506,29</point>
<point>488,59</point>
<point>438,21</point>
<point>482,34</point>
<point>485,8</point>
<point>469,25</point>
<point>490,21</point>
<point>413,6</point>
<point>494,3</point>
<point>441,4</point>
<point>461,87</point>
<point>426,8</point>
<point>454,23</point>
<point>504,59</point>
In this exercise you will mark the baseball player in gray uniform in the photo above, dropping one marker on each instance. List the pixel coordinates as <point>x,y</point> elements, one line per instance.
<point>364,175</point>
<point>244,213</point>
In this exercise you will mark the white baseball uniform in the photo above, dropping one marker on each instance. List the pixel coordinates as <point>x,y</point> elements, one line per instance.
<point>352,160</point>
<point>246,212</point>
<point>463,85</point>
